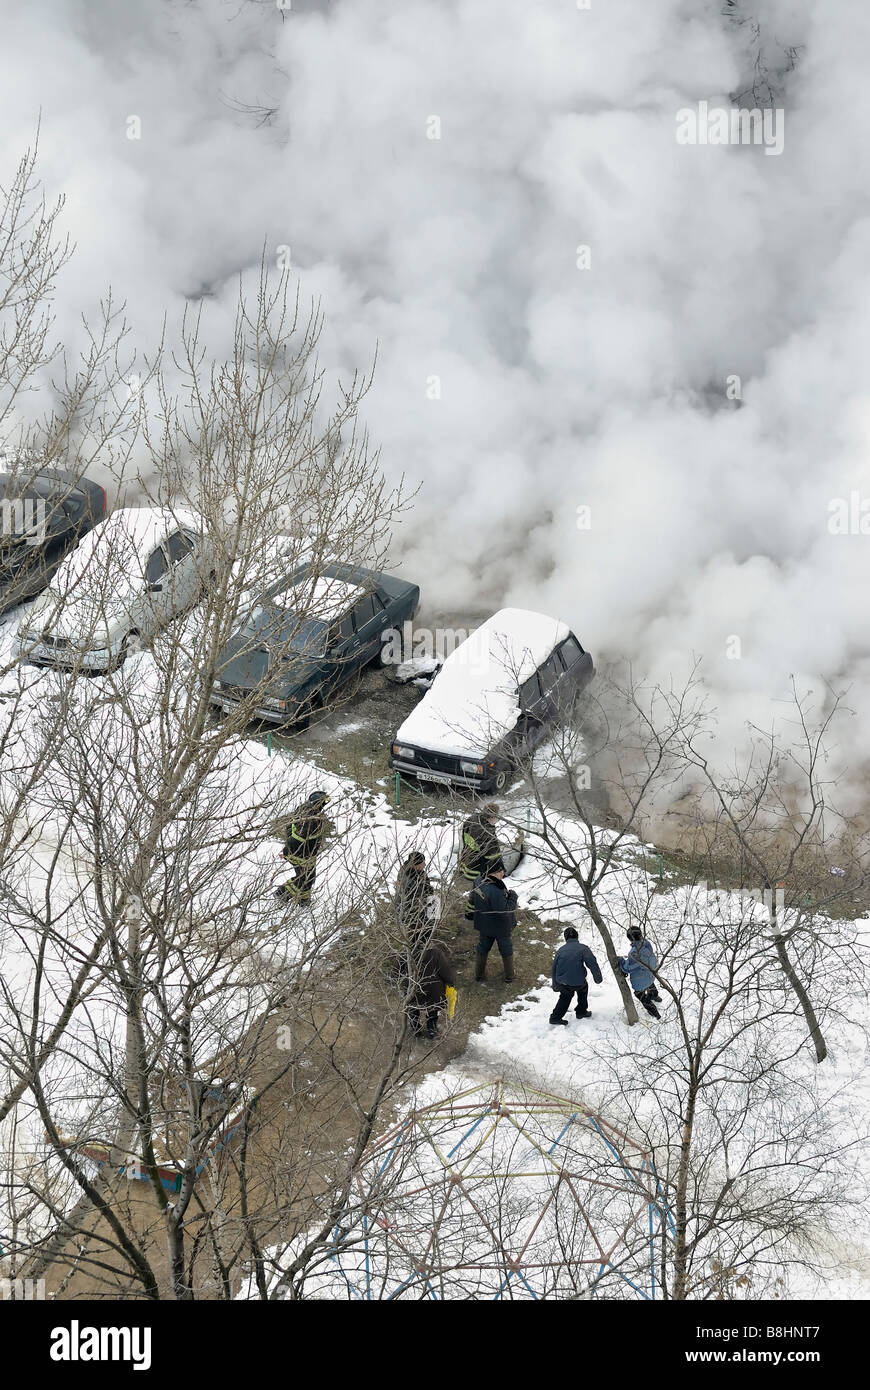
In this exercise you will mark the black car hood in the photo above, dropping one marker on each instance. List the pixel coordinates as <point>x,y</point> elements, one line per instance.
<point>241,664</point>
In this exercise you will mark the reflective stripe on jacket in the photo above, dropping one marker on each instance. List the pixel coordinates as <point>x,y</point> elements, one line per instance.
<point>304,838</point>
<point>480,848</point>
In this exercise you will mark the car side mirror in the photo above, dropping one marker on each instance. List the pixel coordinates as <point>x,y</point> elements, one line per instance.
<point>154,588</point>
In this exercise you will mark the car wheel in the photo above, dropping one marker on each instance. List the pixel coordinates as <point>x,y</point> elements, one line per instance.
<point>131,644</point>
<point>499,781</point>
<point>310,711</point>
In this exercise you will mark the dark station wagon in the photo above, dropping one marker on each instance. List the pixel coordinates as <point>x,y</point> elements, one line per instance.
<point>493,701</point>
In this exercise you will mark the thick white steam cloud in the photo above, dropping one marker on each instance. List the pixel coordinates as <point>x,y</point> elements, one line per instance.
<point>560,387</point>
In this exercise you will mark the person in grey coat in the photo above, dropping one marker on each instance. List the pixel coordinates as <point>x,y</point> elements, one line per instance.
<point>570,964</point>
<point>639,965</point>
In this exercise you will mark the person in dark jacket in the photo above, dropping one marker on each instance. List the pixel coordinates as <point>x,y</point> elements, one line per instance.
<point>304,840</point>
<point>413,893</point>
<point>570,964</point>
<point>639,965</point>
<point>495,917</point>
<point>480,846</point>
<point>427,970</point>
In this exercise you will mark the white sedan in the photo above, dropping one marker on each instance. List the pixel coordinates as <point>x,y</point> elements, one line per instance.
<point>133,573</point>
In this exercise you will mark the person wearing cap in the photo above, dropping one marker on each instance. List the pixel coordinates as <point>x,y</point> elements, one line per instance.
<point>639,965</point>
<point>570,964</point>
<point>495,917</point>
<point>481,848</point>
<point>305,835</point>
<point>414,893</point>
<point>426,971</point>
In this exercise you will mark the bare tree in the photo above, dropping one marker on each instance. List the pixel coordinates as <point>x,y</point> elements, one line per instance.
<point>774,830</point>
<point>752,1165</point>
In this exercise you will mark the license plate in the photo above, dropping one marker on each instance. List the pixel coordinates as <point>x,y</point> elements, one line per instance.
<point>41,653</point>
<point>262,713</point>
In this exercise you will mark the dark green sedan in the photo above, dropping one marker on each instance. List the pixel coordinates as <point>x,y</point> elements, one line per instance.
<point>306,637</point>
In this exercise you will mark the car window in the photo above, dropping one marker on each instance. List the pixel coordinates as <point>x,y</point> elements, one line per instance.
<point>156,567</point>
<point>381,603</point>
<point>340,632</point>
<point>550,672</point>
<point>179,546</point>
<point>364,611</point>
<point>530,692</point>
<point>571,650</point>
<point>305,636</point>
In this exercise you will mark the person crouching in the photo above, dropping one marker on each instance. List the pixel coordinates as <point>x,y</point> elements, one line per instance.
<point>427,970</point>
<point>639,965</point>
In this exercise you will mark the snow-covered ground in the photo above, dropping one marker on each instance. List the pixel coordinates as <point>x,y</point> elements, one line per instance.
<point>587,1062</point>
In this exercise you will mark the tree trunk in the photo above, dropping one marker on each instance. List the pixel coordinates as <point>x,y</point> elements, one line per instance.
<point>681,1274</point>
<point>604,933</point>
<point>175,1243</point>
<point>803,999</point>
<point>792,977</point>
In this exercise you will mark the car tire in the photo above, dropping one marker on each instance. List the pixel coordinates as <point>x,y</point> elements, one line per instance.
<point>132,642</point>
<point>499,781</point>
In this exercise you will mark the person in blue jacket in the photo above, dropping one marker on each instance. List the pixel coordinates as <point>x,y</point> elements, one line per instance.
<point>639,965</point>
<point>570,964</point>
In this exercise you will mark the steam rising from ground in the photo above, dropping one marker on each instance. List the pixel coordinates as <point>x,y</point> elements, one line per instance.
<point>559,387</point>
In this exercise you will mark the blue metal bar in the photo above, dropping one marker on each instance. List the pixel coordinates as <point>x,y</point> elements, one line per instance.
<point>368,1261</point>
<point>567,1126</point>
<point>432,1291</point>
<point>353,1290</point>
<point>502,1286</point>
<point>468,1133</point>
<point>404,1284</point>
<point>617,1155</point>
<point>529,1287</point>
<point>665,1206</point>
<point>393,1149</point>
<point>652,1255</point>
<point>629,1281</point>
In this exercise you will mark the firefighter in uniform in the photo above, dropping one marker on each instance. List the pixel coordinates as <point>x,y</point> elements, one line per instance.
<point>305,835</point>
<point>481,848</point>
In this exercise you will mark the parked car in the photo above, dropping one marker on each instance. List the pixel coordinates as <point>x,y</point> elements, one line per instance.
<point>136,571</point>
<point>308,635</point>
<point>43,516</point>
<point>493,700</point>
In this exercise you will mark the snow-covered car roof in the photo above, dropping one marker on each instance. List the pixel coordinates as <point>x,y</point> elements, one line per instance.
<point>474,701</point>
<point>118,548</point>
<point>325,599</point>
<point>134,531</point>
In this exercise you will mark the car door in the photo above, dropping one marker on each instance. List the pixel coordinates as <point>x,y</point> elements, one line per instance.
<point>340,652</point>
<point>156,606</point>
<point>182,577</point>
<point>577,665</point>
<point>550,674</point>
<point>368,620</point>
<point>531,725</point>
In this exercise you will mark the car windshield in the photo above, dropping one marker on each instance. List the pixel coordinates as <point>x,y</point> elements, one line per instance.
<point>307,636</point>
